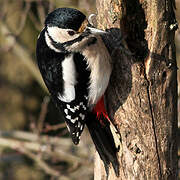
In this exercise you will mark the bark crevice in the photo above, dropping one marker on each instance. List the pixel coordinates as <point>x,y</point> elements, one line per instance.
<point>153,125</point>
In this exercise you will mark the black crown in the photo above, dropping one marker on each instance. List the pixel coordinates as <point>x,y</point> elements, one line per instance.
<point>66,18</point>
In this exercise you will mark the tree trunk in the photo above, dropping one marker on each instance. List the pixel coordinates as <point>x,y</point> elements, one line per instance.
<point>142,94</point>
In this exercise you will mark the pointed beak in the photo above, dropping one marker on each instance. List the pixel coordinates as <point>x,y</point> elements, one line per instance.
<point>95,31</point>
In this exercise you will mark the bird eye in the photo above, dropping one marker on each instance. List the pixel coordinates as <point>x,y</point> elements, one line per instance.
<point>71,33</point>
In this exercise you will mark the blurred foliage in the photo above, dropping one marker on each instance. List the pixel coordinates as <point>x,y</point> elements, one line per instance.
<point>22,91</point>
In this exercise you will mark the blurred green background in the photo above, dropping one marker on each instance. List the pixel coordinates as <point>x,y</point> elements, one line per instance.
<point>25,107</point>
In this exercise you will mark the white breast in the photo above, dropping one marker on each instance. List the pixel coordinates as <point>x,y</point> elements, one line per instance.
<point>98,59</point>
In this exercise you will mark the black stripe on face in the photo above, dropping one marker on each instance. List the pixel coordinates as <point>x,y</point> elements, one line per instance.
<point>62,46</point>
<point>80,38</point>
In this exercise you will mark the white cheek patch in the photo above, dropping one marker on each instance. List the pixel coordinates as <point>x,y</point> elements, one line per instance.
<point>60,35</point>
<point>49,43</point>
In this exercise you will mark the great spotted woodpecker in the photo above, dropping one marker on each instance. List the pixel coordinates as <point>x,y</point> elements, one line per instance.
<point>75,66</point>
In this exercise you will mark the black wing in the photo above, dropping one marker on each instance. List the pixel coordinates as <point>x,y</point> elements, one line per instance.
<point>50,65</point>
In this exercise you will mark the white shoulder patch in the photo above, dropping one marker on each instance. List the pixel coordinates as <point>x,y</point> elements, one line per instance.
<point>69,77</point>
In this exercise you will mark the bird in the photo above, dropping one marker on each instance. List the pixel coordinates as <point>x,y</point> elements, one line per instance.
<point>76,67</point>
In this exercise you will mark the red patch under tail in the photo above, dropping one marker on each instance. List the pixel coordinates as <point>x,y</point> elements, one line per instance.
<point>99,109</point>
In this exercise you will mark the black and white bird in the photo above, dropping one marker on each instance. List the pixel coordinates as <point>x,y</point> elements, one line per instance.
<point>76,67</point>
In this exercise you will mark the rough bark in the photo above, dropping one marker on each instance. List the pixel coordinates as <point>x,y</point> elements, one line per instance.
<point>142,94</point>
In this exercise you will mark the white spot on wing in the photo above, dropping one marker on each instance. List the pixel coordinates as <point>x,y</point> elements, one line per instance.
<point>71,109</point>
<point>74,120</point>
<point>81,128</point>
<point>76,107</point>
<point>68,117</point>
<point>66,111</point>
<point>82,116</point>
<point>83,106</point>
<point>77,134</point>
<point>79,124</point>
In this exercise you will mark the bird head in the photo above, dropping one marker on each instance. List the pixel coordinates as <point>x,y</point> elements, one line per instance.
<point>68,29</point>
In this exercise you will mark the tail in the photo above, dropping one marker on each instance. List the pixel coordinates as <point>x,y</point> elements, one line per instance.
<point>100,130</point>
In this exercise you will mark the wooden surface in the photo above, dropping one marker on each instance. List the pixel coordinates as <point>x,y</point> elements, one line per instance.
<point>142,94</point>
